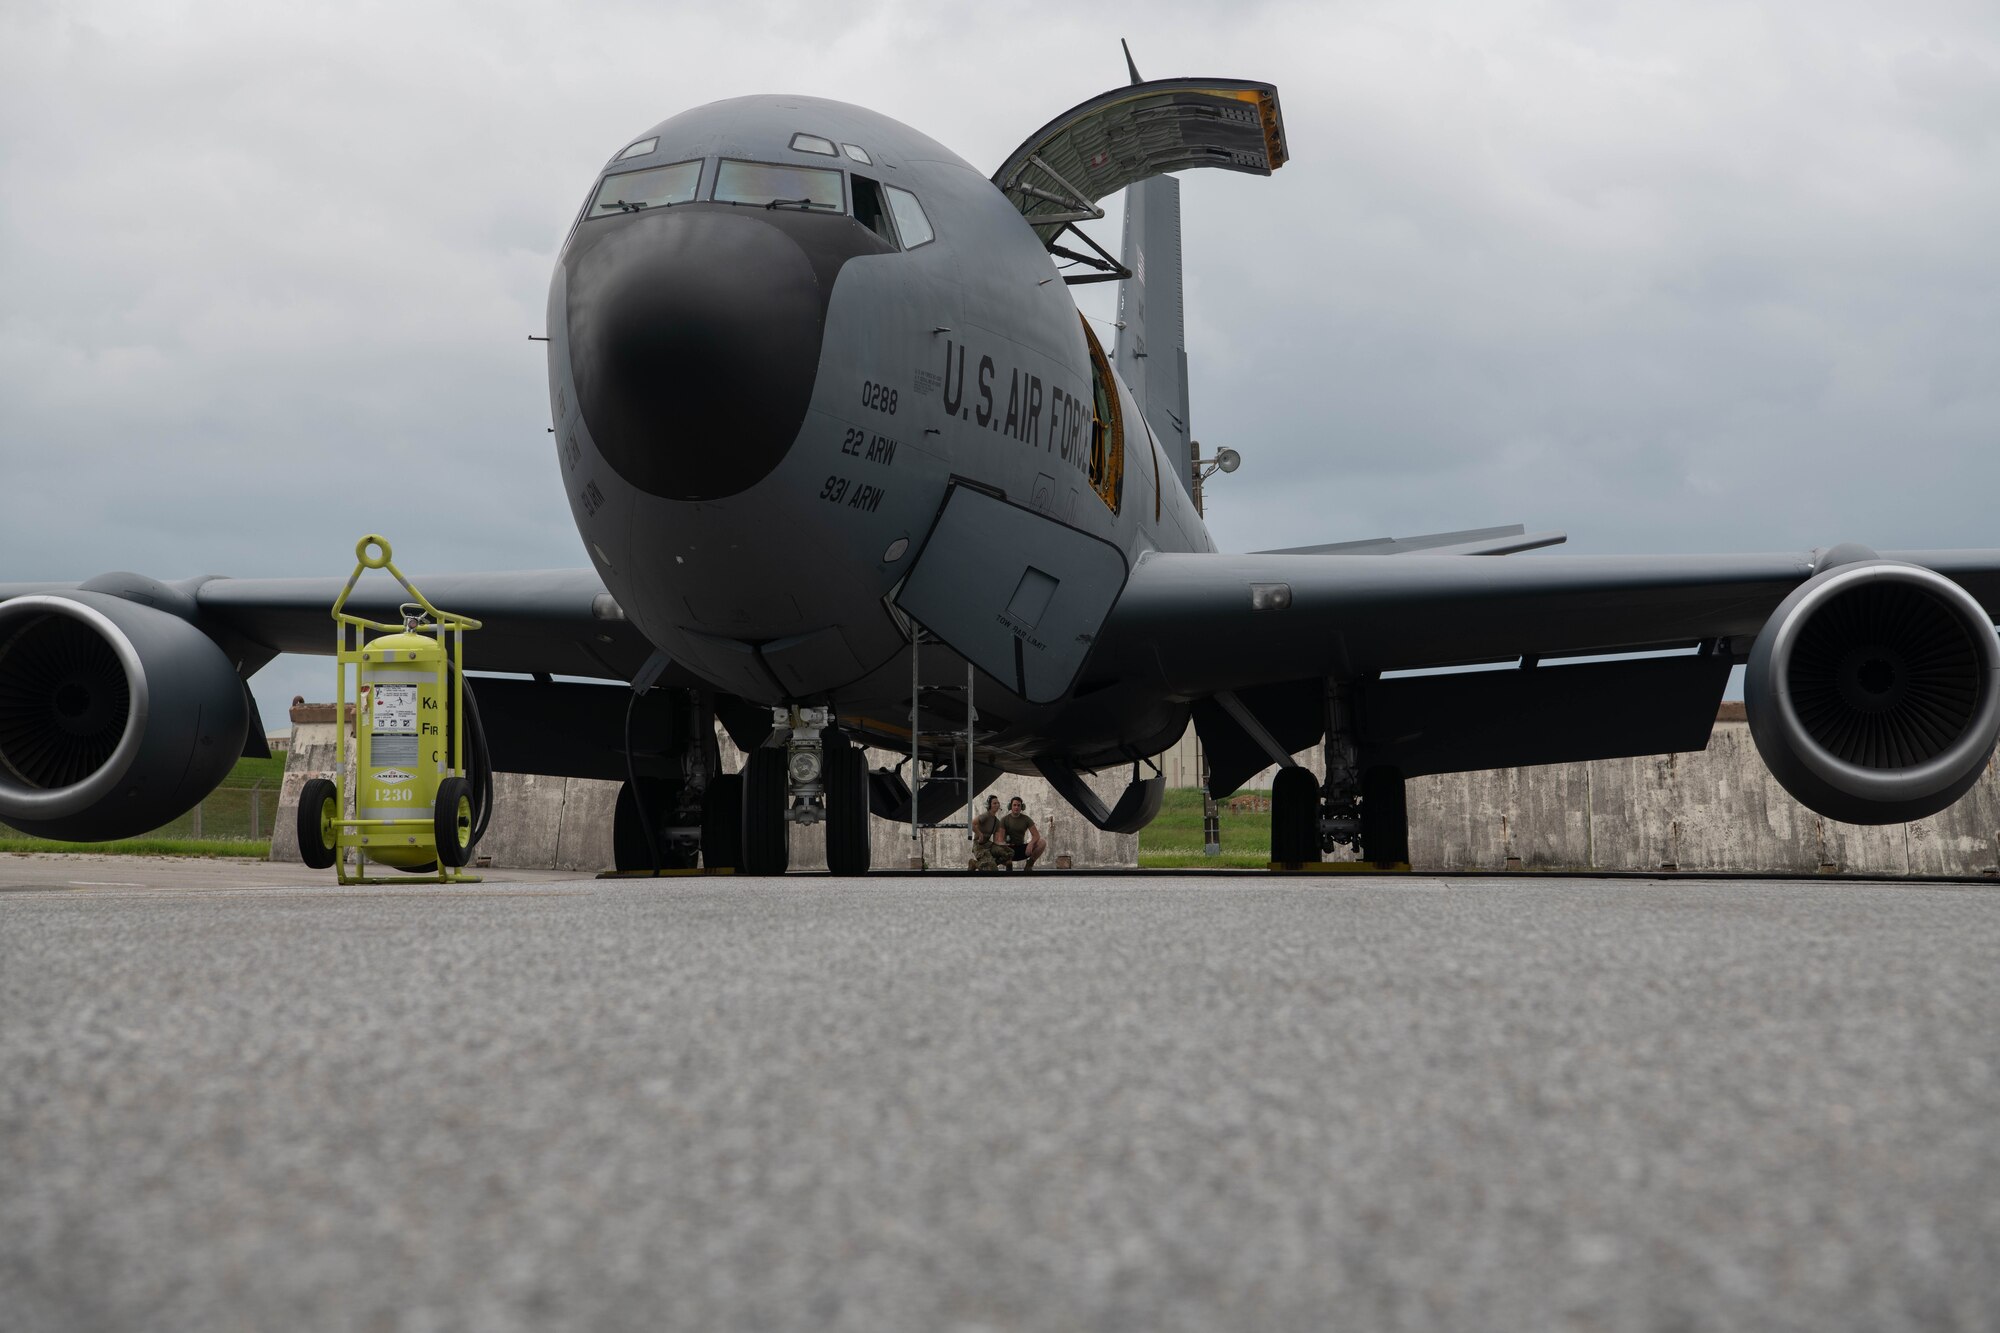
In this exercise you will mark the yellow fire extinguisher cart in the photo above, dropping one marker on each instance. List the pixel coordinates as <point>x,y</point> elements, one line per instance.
<point>412,807</point>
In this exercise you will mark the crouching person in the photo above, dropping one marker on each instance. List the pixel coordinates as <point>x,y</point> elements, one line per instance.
<point>989,853</point>
<point>1020,836</point>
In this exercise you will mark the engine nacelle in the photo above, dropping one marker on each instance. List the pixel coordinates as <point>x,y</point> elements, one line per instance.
<point>1873,691</point>
<point>115,717</point>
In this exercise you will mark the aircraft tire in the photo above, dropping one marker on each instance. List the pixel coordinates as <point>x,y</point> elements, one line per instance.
<point>628,835</point>
<point>722,822</point>
<point>1385,817</point>
<point>847,847</point>
<point>1295,816</point>
<point>451,821</point>
<point>319,809</point>
<point>767,842</point>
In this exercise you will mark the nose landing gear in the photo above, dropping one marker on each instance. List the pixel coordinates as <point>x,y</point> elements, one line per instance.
<point>767,842</point>
<point>807,772</point>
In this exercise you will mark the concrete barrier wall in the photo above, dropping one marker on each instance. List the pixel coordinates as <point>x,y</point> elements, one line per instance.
<point>1717,810</point>
<point>538,822</point>
<point>310,755</point>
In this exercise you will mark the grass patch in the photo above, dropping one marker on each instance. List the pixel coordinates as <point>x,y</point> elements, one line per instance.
<point>1174,841</point>
<point>241,808</point>
<point>228,814</point>
<point>235,820</point>
<point>233,847</point>
<point>249,772</point>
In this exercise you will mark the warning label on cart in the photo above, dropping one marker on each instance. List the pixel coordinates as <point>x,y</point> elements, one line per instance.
<point>396,709</point>
<point>397,751</point>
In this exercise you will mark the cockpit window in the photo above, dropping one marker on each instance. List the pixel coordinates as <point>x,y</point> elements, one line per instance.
<point>812,143</point>
<point>654,187</point>
<point>639,149</point>
<point>774,186</point>
<point>858,154</point>
<point>910,218</point>
<point>869,210</point>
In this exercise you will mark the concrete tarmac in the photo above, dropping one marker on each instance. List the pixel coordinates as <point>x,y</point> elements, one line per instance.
<point>240,1097</point>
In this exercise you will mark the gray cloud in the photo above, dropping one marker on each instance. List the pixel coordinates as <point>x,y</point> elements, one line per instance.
<point>1672,277</point>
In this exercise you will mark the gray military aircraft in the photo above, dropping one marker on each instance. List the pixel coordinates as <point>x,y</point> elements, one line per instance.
<point>850,467</point>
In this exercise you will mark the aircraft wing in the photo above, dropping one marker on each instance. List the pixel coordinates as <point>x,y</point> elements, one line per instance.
<point>559,621</point>
<point>554,621</point>
<point>1206,622</point>
<point>1257,636</point>
<point>1509,540</point>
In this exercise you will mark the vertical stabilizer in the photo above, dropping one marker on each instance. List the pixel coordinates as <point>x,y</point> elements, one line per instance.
<point>1151,351</point>
<point>1152,341</point>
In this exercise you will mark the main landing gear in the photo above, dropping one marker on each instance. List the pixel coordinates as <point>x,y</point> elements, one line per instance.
<point>693,810</point>
<point>1360,806</point>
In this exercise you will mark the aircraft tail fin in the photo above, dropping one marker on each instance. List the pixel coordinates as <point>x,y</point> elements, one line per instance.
<point>1151,351</point>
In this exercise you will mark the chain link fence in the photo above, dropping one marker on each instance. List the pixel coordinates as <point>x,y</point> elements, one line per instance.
<point>229,813</point>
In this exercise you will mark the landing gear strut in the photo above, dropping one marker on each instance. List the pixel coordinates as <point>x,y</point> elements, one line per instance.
<point>693,809</point>
<point>1363,805</point>
<point>1359,806</point>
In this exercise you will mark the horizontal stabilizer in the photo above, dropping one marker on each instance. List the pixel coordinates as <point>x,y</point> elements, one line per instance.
<point>1473,541</point>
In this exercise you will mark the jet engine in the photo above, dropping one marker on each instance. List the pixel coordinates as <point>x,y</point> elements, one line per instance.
<point>1873,691</point>
<point>115,717</point>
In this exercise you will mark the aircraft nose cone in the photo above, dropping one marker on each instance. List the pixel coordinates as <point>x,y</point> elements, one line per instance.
<point>694,340</point>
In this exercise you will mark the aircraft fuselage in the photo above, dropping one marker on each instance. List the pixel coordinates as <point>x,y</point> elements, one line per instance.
<point>765,377</point>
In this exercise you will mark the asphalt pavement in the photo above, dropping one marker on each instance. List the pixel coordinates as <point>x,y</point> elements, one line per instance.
<point>241,1097</point>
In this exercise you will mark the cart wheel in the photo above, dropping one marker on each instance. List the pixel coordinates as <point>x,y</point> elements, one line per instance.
<point>451,822</point>
<point>319,811</point>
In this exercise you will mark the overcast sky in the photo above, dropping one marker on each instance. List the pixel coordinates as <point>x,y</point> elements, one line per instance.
<point>1670,277</point>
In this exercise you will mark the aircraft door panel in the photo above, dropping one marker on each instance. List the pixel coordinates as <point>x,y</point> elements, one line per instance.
<point>1018,594</point>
